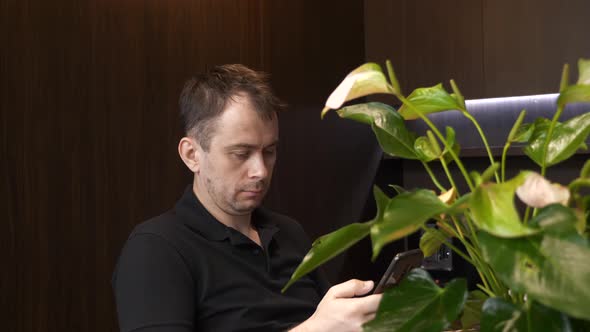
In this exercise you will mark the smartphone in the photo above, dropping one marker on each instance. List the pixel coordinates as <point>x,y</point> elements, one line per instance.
<point>400,265</point>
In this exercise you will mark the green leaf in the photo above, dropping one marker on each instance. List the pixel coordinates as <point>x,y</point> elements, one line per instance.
<point>548,268</point>
<point>577,93</point>
<point>476,177</point>
<point>489,172</point>
<point>363,81</point>
<point>381,201</point>
<point>389,127</point>
<point>417,304</point>
<point>516,127</point>
<point>327,247</point>
<point>584,71</point>
<point>451,141</point>
<point>424,149</point>
<point>393,78</point>
<point>431,241</point>
<point>473,308</point>
<point>398,143</point>
<point>566,139</point>
<point>398,189</point>
<point>428,100</point>
<point>404,214</point>
<point>374,112</point>
<point>433,142</point>
<point>500,315</point>
<point>458,95</point>
<point>559,220</point>
<point>450,137</point>
<point>585,172</point>
<point>580,325</point>
<point>524,133</point>
<point>565,77</point>
<point>493,209</point>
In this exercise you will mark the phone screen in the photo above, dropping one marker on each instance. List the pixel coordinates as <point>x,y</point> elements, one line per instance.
<point>400,265</point>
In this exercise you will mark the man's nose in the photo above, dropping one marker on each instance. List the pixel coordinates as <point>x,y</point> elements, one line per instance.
<point>258,168</point>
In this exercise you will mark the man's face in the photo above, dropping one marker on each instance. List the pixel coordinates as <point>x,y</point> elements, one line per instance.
<point>236,171</point>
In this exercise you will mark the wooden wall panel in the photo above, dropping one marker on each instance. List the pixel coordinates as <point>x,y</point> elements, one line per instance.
<point>491,48</point>
<point>89,132</point>
<point>428,42</point>
<point>88,101</point>
<point>526,43</point>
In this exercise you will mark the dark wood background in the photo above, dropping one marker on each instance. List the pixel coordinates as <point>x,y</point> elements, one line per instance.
<point>88,121</point>
<point>491,48</point>
<point>89,131</point>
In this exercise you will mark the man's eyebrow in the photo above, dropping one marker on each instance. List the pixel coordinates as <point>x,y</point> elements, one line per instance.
<point>249,146</point>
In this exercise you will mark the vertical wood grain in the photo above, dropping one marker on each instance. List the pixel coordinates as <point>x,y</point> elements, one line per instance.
<point>89,131</point>
<point>428,42</point>
<point>527,42</point>
<point>89,127</point>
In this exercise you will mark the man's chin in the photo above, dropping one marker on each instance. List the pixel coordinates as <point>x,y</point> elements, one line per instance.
<point>246,207</point>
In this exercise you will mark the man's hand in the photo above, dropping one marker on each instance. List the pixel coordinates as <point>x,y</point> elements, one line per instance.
<point>341,311</point>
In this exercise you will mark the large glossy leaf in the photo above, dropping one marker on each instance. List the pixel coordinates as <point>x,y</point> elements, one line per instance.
<point>381,201</point>
<point>559,220</point>
<point>389,127</point>
<point>473,308</point>
<point>500,315</point>
<point>363,81</point>
<point>550,269</point>
<point>493,209</point>
<point>417,304</point>
<point>524,133</point>
<point>328,246</point>
<point>429,100</point>
<point>578,93</point>
<point>431,241</point>
<point>398,144</point>
<point>404,214</point>
<point>566,139</point>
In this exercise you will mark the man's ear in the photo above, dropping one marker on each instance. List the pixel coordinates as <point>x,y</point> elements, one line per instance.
<point>188,149</point>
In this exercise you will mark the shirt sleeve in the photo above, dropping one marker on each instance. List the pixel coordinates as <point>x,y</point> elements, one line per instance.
<point>154,290</point>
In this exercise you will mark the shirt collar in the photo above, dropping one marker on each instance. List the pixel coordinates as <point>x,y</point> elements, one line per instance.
<point>197,217</point>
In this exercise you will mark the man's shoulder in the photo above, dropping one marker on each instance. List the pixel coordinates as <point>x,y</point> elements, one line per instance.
<point>165,225</point>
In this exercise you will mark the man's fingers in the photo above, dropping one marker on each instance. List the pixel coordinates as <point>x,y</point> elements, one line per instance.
<point>368,304</point>
<point>351,288</point>
<point>369,318</point>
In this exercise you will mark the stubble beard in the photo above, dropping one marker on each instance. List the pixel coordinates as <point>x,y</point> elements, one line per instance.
<point>227,201</point>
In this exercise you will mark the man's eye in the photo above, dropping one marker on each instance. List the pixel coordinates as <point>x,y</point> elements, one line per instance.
<point>270,152</point>
<point>241,155</point>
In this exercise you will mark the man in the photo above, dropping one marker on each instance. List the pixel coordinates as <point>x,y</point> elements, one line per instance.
<point>217,261</point>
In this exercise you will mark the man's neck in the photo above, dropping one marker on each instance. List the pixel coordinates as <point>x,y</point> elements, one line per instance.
<point>241,223</point>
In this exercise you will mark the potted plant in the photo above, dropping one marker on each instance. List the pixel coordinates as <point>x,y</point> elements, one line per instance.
<point>534,266</point>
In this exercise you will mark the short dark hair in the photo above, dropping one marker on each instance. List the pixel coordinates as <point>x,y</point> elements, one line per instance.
<point>205,96</point>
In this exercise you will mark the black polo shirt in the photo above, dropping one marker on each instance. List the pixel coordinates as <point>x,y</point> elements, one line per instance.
<point>186,271</point>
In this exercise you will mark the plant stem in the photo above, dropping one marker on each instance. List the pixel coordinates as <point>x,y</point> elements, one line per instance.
<point>458,227</point>
<point>449,176</point>
<point>548,138</point>
<point>483,138</point>
<point>448,244</point>
<point>527,214</point>
<point>472,230</point>
<point>504,151</point>
<point>486,290</point>
<point>441,137</point>
<point>433,178</point>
